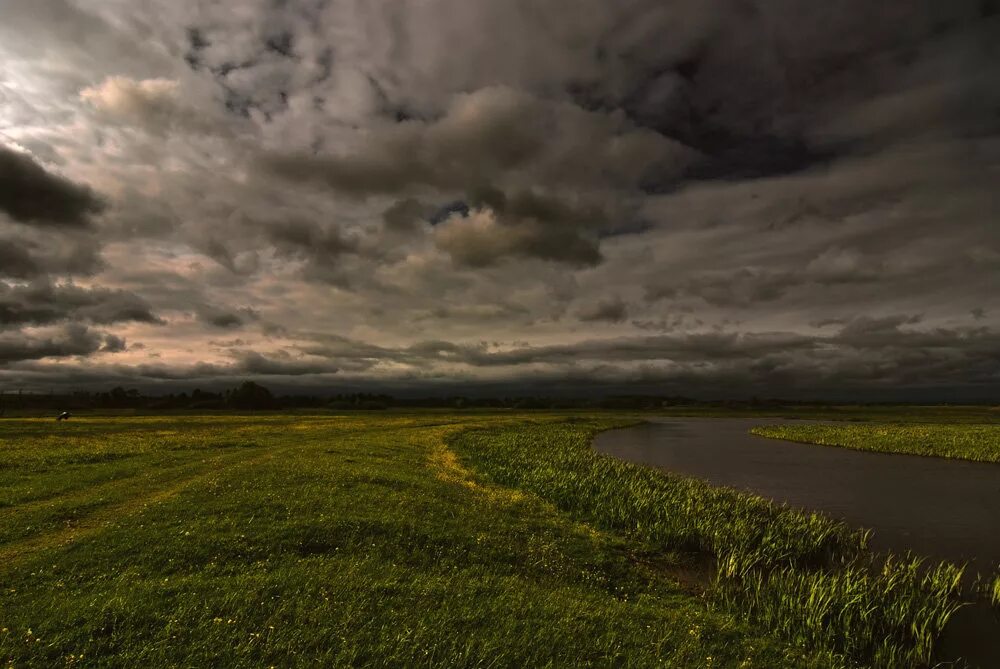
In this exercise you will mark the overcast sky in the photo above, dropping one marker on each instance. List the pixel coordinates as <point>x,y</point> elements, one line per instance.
<point>706,197</point>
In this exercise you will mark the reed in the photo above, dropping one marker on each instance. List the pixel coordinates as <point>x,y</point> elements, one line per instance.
<point>803,575</point>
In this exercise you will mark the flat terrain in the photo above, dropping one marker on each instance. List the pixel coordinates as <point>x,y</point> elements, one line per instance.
<point>427,539</point>
<point>979,442</point>
<point>243,541</point>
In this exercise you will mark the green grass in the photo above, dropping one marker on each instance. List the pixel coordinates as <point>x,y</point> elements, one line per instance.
<point>801,574</point>
<point>895,413</point>
<point>964,441</point>
<point>234,541</point>
<point>423,539</point>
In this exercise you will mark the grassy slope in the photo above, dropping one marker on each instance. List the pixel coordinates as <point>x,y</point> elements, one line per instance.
<point>964,441</point>
<point>298,541</point>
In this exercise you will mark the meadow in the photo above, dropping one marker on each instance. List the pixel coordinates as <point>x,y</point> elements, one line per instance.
<point>979,442</point>
<point>427,539</point>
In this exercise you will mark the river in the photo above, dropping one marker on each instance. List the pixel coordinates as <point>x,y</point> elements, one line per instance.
<point>939,508</point>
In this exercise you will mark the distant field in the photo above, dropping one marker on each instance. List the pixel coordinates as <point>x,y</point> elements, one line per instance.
<point>424,539</point>
<point>964,441</point>
<point>888,413</point>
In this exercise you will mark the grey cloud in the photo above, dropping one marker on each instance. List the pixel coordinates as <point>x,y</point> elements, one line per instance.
<point>960,359</point>
<point>316,241</point>
<point>114,344</point>
<point>411,175</point>
<point>484,238</point>
<point>68,43</point>
<point>251,362</point>
<point>485,138</point>
<point>494,146</point>
<point>743,287</point>
<point>526,224</point>
<point>36,253</point>
<point>17,262</point>
<point>613,310</point>
<point>832,269</point>
<point>154,105</point>
<point>43,302</point>
<point>30,194</point>
<point>72,340</point>
<point>223,318</point>
<point>404,214</point>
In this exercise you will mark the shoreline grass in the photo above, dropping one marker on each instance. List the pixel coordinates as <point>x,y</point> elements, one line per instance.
<point>979,443</point>
<point>806,576</point>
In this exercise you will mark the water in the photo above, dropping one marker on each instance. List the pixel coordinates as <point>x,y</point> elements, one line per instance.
<point>945,509</point>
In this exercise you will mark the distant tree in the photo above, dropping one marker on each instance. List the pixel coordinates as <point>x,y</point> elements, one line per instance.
<point>250,395</point>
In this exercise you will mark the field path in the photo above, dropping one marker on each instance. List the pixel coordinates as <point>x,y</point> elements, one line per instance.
<point>13,553</point>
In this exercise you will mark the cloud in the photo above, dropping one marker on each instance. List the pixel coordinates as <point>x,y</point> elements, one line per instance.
<point>222,318</point>
<point>425,195</point>
<point>71,340</point>
<point>30,194</point>
<point>42,303</point>
<point>251,362</point>
<point>30,254</point>
<point>613,310</point>
<point>114,344</point>
<point>519,159</point>
<point>486,138</point>
<point>155,105</point>
<point>483,238</point>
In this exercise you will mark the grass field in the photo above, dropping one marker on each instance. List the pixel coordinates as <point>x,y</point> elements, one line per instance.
<point>964,441</point>
<point>419,540</point>
<point>867,413</point>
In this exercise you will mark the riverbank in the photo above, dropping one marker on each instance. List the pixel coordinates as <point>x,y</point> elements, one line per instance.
<point>801,574</point>
<point>975,442</point>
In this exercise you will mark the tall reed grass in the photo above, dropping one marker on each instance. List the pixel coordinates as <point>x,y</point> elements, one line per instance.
<point>801,574</point>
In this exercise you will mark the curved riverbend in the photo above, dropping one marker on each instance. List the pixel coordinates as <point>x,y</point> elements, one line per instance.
<point>945,509</point>
<point>948,509</point>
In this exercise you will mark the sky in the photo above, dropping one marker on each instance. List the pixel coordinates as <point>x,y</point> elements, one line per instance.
<point>714,198</point>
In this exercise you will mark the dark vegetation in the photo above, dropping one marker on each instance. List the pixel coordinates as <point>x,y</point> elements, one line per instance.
<point>252,396</point>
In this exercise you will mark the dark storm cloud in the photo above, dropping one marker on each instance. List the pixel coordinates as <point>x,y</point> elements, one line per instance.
<point>31,194</point>
<point>16,261</point>
<point>479,142</point>
<point>218,317</point>
<point>629,349</point>
<point>483,192</point>
<point>525,224</point>
<point>483,239</point>
<point>320,244</point>
<point>749,286</point>
<point>251,362</point>
<point>35,253</point>
<point>860,358</point>
<point>405,214</point>
<point>518,160</point>
<point>114,344</point>
<point>42,303</point>
<point>613,310</point>
<point>72,340</point>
